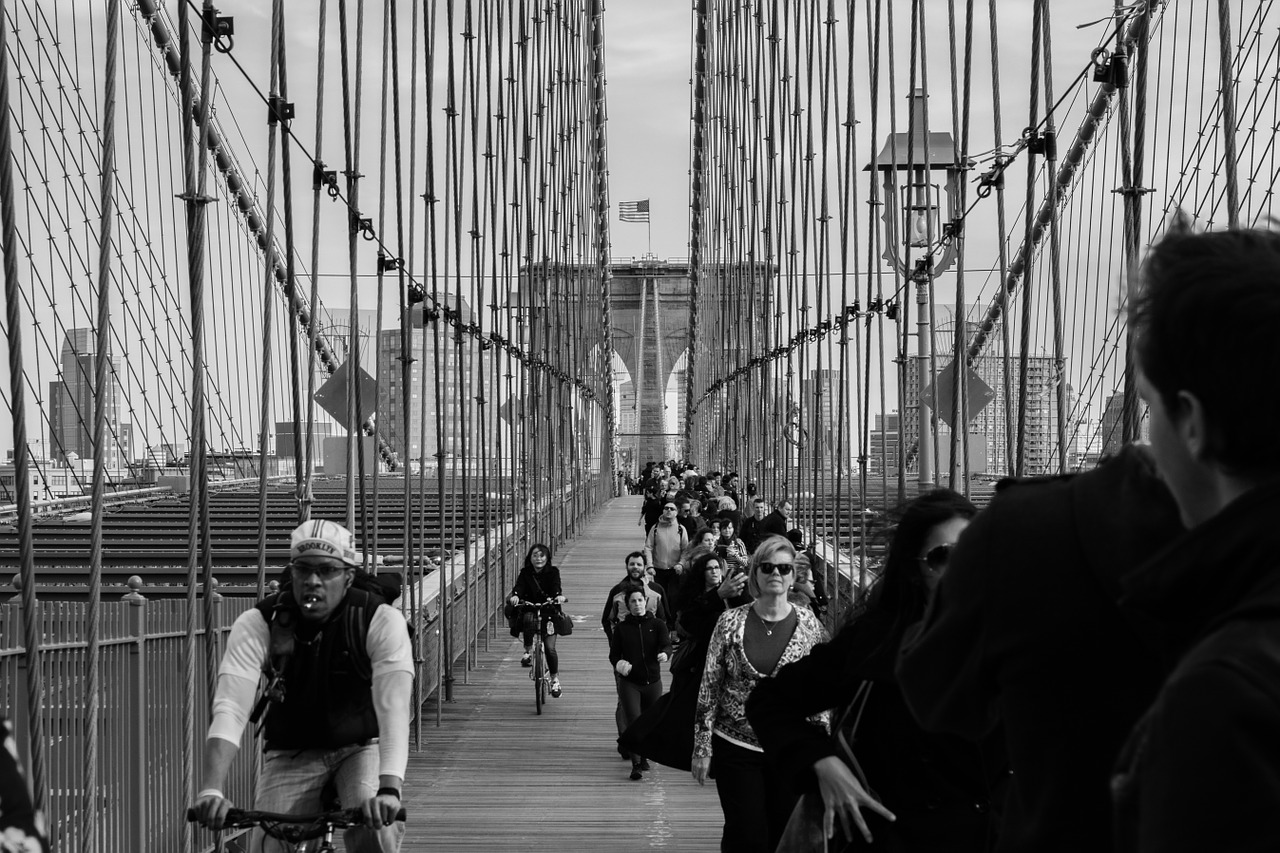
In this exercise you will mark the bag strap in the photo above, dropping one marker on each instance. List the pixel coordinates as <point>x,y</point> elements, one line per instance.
<point>280,648</point>
<point>845,732</point>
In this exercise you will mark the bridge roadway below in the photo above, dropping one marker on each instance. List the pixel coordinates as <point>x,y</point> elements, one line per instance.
<point>495,776</point>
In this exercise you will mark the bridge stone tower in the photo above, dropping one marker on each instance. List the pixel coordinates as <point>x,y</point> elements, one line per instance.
<point>650,314</point>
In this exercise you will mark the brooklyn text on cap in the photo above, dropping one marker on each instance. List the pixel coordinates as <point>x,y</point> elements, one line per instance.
<point>323,539</point>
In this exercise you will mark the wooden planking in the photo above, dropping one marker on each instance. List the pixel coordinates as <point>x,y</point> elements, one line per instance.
<point>495,776</point>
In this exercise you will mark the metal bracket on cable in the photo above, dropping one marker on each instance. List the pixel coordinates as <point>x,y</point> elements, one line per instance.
<point>386,263</point>
<point>278,110</point>
<point>363,225</point>
<point>1110,68</point>
<point>218,29</point>
<point>327,178</point>
<point>1044,143</point>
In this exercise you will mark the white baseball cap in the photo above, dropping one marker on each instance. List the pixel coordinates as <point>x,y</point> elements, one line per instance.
<point>323,539</point>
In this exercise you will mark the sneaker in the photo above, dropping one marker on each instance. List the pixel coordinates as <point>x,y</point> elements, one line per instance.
<point>526,660</point>
<point>555,688</point>
<point>644,765</point>
<point>635,773</point>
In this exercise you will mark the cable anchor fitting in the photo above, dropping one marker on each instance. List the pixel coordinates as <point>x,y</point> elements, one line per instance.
<point>278,110</point>
<point>219,30</point>
<point>1110,68</point>
<point>1044,143</point>
<point>327,178</point>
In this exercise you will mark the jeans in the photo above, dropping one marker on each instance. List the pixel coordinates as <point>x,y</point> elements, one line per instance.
<point>633,700</point>
<point>548,646</point>
<point>755,802</point>
<point>291,781</point>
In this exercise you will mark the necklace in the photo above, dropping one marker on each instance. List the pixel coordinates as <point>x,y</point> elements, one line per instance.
<point>768,626</point>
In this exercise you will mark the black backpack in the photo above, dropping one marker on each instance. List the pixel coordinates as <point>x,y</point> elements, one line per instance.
<point>278,609</point>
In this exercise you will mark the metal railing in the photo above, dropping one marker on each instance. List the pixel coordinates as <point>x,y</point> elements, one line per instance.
<point>141,729</point>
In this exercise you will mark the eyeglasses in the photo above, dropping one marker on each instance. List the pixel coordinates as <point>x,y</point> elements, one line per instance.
<point>784,569</point>
<point>323,572</point>
<point>937,557</point>
<point>668,509</point>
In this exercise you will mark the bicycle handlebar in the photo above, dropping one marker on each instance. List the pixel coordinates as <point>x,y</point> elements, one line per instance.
<point>299,827</point>
<point>540,604</point>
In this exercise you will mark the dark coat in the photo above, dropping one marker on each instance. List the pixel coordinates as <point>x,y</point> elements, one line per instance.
<point>1201,771</point>
<point>639,641</point>
<point>1024,630</point>
<point>607,617</point>
<point>537,587</point>
<point>944,790</point>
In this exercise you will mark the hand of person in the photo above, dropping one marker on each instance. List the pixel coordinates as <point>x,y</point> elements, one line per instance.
<point>844,797</point>
<point>560,599</point>
<point>210,809</point>
<point>731,587</point>
<point>662,657</point>
<point>514,600</point>
<point>678,568</point>
<point>622,667</point>
<point>701,768</point>
<point>380,810</point>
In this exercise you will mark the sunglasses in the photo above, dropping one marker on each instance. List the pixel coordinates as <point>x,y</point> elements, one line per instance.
<point>784,569</point>
<point>936,558</point>
<point>323,572</point>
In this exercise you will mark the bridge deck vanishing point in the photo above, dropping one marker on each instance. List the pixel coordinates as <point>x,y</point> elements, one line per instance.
<point>495,776</point>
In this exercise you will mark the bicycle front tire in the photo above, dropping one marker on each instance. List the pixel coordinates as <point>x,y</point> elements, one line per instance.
<point>539,676</point>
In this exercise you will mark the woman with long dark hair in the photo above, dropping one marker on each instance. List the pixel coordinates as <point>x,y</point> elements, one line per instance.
<point>941,789</point>
<point>538,583</point>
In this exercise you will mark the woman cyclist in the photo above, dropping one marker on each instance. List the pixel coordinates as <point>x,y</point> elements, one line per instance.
<point>539,583</point>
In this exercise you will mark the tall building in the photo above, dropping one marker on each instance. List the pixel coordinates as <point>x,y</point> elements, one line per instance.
<point>461,385</point>
<point>71,405</point>
<point>990,425</point>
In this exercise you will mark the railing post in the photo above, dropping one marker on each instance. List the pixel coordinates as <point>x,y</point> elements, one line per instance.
<point>138,782</point>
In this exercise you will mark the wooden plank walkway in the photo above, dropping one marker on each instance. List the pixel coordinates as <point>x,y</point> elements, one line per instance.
<point>495,776</point>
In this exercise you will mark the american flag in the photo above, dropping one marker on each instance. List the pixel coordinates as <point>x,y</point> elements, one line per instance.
<point>634,211</point>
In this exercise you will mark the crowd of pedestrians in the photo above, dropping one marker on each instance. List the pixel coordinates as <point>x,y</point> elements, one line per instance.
<point>1090,663</point>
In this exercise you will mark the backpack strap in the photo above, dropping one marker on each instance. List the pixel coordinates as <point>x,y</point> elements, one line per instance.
<point>281,617</point>
<point>357,616</point>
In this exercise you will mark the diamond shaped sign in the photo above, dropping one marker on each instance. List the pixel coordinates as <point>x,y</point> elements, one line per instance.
<point>979,393</point>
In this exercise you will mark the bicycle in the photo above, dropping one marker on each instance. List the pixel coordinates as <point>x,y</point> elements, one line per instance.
<point>296,830</point>
<point>540,675</point>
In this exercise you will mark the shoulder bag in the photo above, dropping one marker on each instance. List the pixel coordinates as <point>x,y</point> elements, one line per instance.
<point>803,833</point>
<point>561,622</point>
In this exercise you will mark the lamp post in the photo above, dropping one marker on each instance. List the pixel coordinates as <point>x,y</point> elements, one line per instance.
<point>913,224</point>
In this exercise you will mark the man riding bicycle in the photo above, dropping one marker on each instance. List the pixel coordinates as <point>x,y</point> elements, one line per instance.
<point>339,667</point>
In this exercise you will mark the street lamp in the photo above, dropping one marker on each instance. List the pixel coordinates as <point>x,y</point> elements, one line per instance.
<point>913,205</point>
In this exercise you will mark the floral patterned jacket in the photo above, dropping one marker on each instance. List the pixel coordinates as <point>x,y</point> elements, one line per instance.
<point>728,678</point>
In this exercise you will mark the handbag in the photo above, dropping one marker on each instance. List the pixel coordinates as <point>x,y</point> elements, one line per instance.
<point>686,655</point>
<point>804,832</point>
<point>563,622</point>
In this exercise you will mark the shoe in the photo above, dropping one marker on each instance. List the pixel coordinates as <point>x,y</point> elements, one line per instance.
<point>635,773</point>
<point>556,690</point>
<point>644,765</point>
<point>526,660</point>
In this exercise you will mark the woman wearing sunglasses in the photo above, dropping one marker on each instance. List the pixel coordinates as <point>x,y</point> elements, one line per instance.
<point>938,790</point>
<point>749,645</point>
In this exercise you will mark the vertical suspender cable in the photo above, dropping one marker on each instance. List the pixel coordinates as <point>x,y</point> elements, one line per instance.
<point>306,495</point>
<point>1055,253</point>
<point>102,393</point>
<point>379,377</point>
<point>1226,91</point>
<point>268,291</point>
<point>14,325</point>
<point>1006,373</point>
<point>291,277</point>
<point>696,209</point>
<point>1024,349</point>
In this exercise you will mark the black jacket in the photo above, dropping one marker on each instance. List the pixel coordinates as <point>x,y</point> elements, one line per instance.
<point>537,587</point>
<point>1201,771</point>
<point>942,788</point>
<point>638,641</point>
<point>1024,630</point>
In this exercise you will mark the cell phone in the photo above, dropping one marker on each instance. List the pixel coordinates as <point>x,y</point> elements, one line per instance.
<point>722,550</point>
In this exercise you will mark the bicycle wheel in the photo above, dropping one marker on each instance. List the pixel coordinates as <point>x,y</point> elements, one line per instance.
<point>539,675</point>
